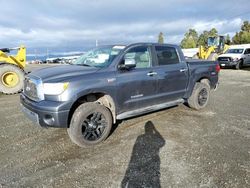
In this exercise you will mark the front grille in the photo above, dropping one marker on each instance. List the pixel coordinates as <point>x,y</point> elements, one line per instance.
<point>31,89</point>
<point>225,59</point>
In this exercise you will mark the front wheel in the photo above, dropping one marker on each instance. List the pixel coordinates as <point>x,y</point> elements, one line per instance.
<point>90,124</point>
<point>200,96</point>
<point>239,65</point>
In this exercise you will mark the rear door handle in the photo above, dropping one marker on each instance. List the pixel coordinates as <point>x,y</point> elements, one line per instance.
<point>151,73</point>
<point>183,70</point>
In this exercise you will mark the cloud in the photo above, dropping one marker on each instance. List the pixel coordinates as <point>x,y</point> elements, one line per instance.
<point>223,26</point>
<point>70,24</point>
<point>137,32</point>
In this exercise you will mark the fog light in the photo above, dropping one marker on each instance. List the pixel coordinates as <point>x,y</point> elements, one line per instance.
<point>48,119</point>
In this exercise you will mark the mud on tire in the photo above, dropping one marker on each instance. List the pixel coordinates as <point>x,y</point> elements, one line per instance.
<point>200,96</point>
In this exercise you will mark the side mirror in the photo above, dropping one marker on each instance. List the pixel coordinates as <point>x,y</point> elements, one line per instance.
<point>129,63</point>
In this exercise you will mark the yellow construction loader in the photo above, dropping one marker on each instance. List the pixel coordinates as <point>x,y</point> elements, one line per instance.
<point>12,70</point>
<point>215,47</point>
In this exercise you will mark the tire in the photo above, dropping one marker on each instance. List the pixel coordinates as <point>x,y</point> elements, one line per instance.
<point>200,96</point>
<point>90,124</point>
<point>239,65</point>
<point>206,81</point>
<point>11,79</point>
<point>213,57</point>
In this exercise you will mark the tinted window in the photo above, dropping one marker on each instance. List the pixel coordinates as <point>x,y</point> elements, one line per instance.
<point>166,55</point>
<point>141,56</point>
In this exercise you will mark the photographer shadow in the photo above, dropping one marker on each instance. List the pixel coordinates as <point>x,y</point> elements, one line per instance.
<point>144,166</point>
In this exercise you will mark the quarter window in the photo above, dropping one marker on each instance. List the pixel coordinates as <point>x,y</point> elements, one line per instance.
<point>166,55</point>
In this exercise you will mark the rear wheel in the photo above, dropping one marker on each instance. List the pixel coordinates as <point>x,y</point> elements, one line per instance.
<point>200,96</point>
<point>11,79</point>
<point>90,124</point>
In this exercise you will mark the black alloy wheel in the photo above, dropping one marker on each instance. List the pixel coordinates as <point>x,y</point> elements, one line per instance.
<point>93,126</point>
<point>202,97</point>
<point>90,124</point>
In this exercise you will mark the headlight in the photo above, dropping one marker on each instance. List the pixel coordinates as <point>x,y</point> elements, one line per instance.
<point>55,88</point>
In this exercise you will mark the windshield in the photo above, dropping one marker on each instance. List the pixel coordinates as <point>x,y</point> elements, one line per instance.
<point>213,41</point>
<point>99,57</point>
<point>235,51</point>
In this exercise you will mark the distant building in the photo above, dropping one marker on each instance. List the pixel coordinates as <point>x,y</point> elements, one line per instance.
<point>62,60</point>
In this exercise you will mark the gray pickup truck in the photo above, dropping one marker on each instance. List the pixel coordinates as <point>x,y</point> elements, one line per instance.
<point>115,82</point>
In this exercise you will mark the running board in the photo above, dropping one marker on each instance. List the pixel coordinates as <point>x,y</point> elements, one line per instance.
<point>148,109</point>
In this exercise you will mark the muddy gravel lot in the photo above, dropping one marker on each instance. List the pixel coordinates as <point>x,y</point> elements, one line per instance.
<point>177,147</point>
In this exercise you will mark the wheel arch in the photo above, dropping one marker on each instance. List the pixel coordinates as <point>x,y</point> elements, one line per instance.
<point>98,97</point>
<point>205,80</point>
<point>202,79</point>
<point>242,60</point>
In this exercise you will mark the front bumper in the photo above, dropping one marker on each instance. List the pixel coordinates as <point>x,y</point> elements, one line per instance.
<point>46,113</point>
<point>228,63</point>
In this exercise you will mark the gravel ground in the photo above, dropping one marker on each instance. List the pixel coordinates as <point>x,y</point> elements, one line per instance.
<point>177,147</point>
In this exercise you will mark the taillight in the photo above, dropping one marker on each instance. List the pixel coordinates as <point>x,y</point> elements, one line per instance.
<point>217,68</point>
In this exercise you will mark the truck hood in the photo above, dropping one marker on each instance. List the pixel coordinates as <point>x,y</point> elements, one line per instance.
<point>231,55</point>
<point>62,72</point>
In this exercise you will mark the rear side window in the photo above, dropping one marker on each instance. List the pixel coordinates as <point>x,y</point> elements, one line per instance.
<point>166,55</point>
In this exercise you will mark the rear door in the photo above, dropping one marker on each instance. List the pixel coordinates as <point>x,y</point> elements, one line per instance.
<point>137,86</point>
<point>172,73</point>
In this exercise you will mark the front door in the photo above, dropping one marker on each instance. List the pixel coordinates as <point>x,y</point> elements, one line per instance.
<point>137,86</point>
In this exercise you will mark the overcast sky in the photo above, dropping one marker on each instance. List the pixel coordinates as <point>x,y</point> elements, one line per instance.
<point>64,25</point>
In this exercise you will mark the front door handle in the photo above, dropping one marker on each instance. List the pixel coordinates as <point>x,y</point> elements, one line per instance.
<point>151,73</point>
<point>183,70</point>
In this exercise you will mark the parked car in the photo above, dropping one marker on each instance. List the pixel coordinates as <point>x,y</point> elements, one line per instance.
<point>111,83</point>
<point>235,56</point>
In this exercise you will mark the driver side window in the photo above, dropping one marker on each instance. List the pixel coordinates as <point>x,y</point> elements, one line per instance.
<point>141,56</point>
